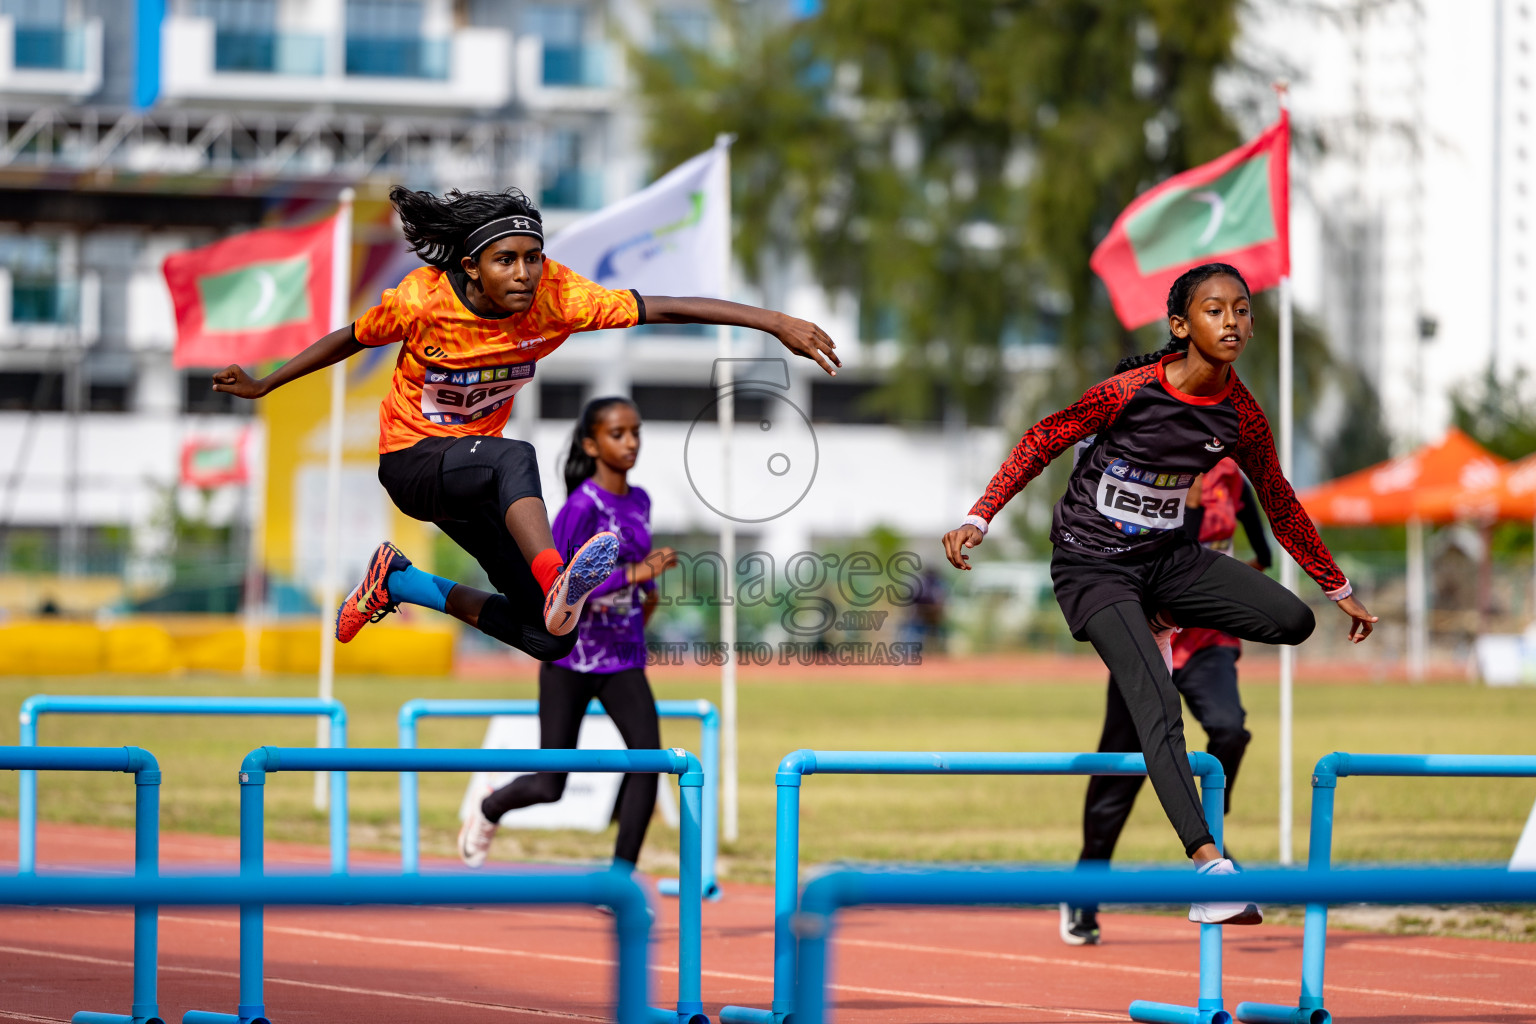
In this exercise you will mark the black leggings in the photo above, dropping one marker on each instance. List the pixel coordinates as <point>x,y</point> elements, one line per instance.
<point>563,698</point>
<point>465,485</point>
<point>1228,596</point>
<point>1208,682</point>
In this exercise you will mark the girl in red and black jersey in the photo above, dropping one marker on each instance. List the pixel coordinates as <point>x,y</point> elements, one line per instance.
<point>1121,557</point>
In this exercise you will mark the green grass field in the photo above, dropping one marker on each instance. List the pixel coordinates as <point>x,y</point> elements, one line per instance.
<point>978,818</point>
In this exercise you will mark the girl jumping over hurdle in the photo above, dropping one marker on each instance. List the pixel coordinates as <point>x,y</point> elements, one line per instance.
<point>1121,565</point>
<point>608,661</point>
<point>473,324</point>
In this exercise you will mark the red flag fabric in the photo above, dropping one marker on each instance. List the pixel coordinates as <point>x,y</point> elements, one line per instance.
<point>1235,209</point>
<point>255,296</point>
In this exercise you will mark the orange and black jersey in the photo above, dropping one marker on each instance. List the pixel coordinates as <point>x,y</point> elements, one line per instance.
<point>458,372</point>
<point>1126,495</point>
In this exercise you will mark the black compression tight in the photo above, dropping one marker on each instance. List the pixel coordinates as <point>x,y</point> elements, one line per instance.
<point>563,698</point>
<point>1228,596</point>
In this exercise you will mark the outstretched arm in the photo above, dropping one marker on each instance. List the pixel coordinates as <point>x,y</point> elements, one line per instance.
<point>799,336</point>
<point>332,348</point>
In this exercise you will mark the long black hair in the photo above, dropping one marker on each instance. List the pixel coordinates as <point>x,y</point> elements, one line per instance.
<point>579,465</point>
<point>1179,297</point>
<point>436,227</point>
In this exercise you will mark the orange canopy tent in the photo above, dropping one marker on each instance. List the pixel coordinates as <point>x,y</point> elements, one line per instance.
<point>1509,494</point>
<point>1393,491</point>
<point>1398,491</point>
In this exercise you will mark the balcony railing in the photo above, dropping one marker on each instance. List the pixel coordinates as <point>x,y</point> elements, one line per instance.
<point>269,52</point>
<point>397,57</point>
<point>575,65</point>
<point>49,48</point>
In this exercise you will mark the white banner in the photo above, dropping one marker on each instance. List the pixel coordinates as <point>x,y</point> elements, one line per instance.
<point>670,238</point>
<point>587,803</point>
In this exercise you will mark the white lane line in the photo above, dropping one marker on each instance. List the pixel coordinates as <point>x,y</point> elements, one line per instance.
<point>1047,961</point>
<point>320,986</point>
<point>18,1015</point>
<point>1442,954</point>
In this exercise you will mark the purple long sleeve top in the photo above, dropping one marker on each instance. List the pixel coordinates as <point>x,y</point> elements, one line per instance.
<point>611,634</point>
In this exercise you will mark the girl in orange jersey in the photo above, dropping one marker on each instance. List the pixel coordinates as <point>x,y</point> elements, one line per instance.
<point>474,322</point>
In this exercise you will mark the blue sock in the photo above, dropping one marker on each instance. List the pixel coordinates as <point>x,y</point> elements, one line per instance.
<point>412,586</point>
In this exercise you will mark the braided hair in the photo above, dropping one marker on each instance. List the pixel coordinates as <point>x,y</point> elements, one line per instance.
<point>1179,297</point>
<point>436,228</point>
<point>580,466</point>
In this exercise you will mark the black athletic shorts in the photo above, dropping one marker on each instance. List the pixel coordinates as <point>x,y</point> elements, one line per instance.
<point>1087,583</point>
<point>445,478</point>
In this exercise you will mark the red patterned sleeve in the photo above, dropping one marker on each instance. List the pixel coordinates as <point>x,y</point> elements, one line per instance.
<point>1056,433</point>
<point>1293,528</point>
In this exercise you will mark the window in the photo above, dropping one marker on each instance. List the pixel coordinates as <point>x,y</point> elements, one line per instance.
<point>561,401</point>
<point>38,296</point>
<point>568,60</point>
<point>42,39</point>
<point>31,392</point>
<point>688,402</point>
<point>244,33</point>
<point>567,185</point>
<point>384,37</point>
<point>103,396</point>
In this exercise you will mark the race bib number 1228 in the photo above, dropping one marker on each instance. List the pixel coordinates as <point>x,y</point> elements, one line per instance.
<point>1138,500</point>
<point>459,396</point>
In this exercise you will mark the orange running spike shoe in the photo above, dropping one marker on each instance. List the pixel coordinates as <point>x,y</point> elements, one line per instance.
<point>588,567</point>
<point>369,600</point>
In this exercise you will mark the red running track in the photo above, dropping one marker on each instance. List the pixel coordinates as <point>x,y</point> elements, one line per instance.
<point>511,965</point>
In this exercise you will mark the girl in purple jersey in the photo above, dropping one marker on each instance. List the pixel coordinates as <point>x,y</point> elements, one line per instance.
<point>608,661</point>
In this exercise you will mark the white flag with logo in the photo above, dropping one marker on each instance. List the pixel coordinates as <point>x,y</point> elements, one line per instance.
<point>671,238</point>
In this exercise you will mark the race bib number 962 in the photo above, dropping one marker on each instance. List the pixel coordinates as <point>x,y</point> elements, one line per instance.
<point>1138,500</point>
<point>460,396</point>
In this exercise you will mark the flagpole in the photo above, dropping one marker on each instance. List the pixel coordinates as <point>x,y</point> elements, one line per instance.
<point>255,444</point>
<point>341,287</point>
<point>727,411</point>
<point>1287,564</point>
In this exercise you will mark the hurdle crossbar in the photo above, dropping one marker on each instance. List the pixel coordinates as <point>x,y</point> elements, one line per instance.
<point>412,711</point>
<point>1310,1008</point>
<point>266,760</point>
<point>607,888</point>
<point>786,871</point>
<point>34,707</point>
<point>145,1008</point>
<point>839,890</point>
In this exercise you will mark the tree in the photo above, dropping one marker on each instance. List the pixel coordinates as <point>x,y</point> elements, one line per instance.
<point>1498,414</point>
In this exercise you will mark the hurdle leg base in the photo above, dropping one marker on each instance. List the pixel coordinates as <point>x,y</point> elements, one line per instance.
<point>681,1015</point>
<point>206,1017</point>
<point>92,1017</point>
<point>1273,1013</point>
<point>1171,1013</point>
<point>749,1015</point>
<point>670,886</point>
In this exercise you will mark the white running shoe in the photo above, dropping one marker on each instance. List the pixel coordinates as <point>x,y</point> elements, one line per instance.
<point>1223,913</point>
<point>475,837</point>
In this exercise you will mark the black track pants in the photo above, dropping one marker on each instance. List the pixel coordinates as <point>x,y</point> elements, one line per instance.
<point>1208,683</point>
<point>1228,596</point>
<point>563,698</point>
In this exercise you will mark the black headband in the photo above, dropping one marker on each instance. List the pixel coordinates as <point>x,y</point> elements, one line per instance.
<point>501,227</point>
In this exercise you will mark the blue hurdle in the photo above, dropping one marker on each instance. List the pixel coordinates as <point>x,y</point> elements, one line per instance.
<point>606,888</point>
<point>34,707</point>
<point>413,711</point>
<point>825,896</point>
<point>265,760</point>
<point>1309,1009</point>
<point>146,856</point>
<point>786,870</point>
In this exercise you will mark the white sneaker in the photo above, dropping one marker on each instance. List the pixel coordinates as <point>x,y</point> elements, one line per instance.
<point>1223,913</point>
<point>475,837</point>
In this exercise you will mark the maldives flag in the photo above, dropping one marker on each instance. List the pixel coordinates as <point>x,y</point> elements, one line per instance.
<point>1235,209</point>
<point>254,296</point>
